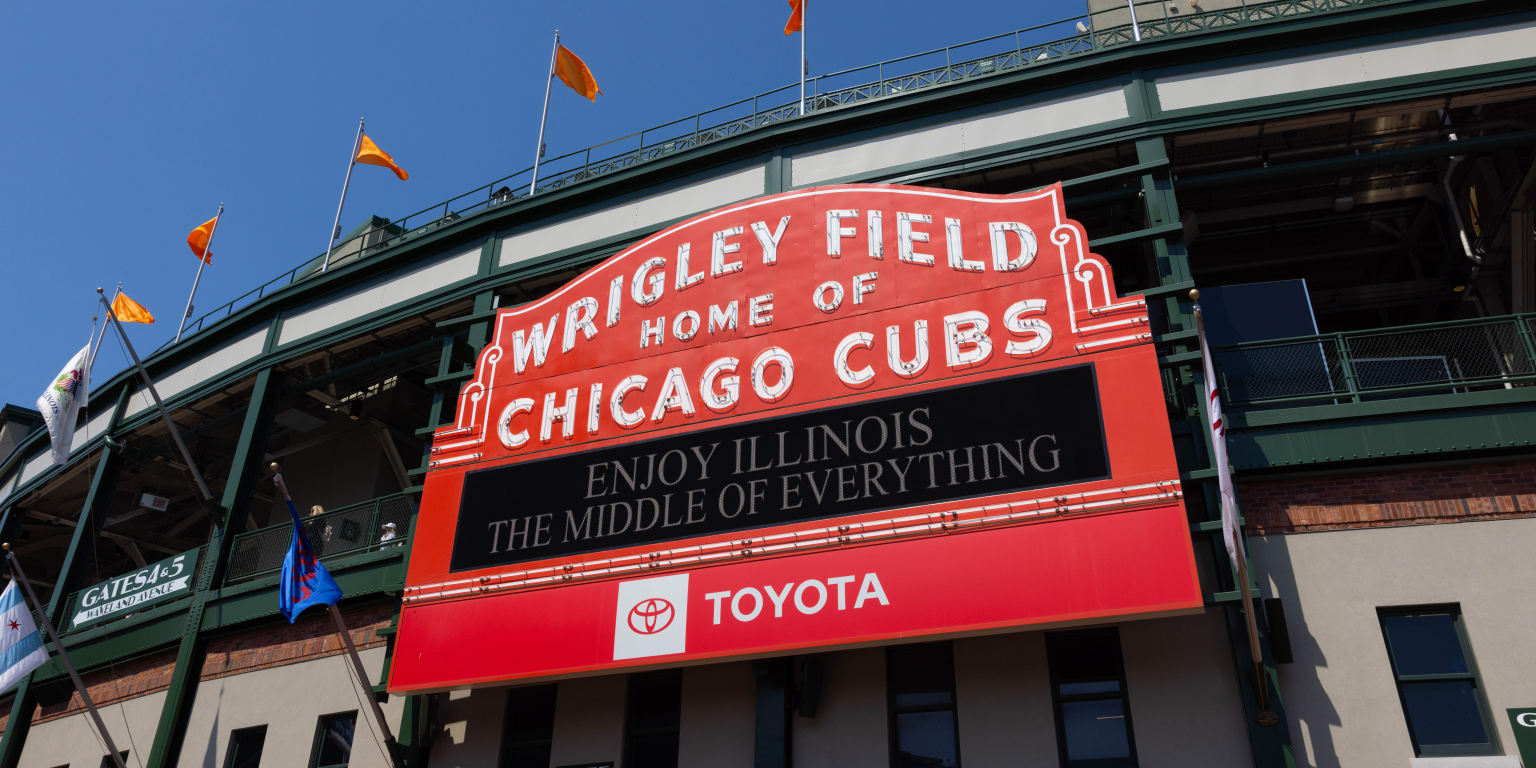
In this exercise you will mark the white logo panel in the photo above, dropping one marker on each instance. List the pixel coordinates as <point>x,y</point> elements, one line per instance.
<point>652,617</point>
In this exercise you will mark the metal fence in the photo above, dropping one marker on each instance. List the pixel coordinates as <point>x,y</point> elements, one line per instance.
<point>1014,51</point>
<point>1356,366</point>
<point>345,531</point>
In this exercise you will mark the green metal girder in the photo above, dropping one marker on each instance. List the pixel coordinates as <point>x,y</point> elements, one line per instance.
<point>243,469</point>
<point>1403,427</point>
<point>96,499</point>
<point>257,600</point>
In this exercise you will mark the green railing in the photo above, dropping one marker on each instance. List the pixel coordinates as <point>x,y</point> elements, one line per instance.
<point>1039,45</point>
<point>336,533</point>
<point>1356,366</point>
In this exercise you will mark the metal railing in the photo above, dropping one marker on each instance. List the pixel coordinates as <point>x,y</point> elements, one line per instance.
<point>1356,366</point>
<point>1013,51</point>
<point>349,530</point>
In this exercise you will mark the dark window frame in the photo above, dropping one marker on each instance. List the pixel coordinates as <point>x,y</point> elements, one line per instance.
<point>106,760</point>
<point>1057,698</point>
<point>320,729</point>
<point>1490,727</point>
<point>892,710</point>
<point>508,744</point>
<point>229,752</point>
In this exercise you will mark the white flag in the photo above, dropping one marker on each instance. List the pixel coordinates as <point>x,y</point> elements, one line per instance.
<point>61,401</point>
<point>21,648</point>
<point>1229,531</point>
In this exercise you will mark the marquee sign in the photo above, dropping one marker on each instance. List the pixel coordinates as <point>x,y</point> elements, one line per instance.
<point>132,591</point>
<point>821,418</point>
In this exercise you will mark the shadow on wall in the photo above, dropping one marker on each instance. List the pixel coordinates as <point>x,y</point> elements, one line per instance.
<point>211,756</point>
<point>1308,706</point>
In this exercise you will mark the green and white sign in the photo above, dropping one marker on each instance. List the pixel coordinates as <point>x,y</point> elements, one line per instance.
<point>169,577</point>
<point>1523,720</point>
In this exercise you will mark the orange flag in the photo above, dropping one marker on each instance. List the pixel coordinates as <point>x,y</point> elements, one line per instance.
<point>574,72</point>
<point>796,14</point>
<point>197,239</point>
<point>368,153</point>
<point>130,311</point>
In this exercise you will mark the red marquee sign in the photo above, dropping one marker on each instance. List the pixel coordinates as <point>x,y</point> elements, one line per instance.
<point>828,417</point>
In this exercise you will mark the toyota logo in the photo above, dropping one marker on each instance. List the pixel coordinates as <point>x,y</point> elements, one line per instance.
<point>651,615</point>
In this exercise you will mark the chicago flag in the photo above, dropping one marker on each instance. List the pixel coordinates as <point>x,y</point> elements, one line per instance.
<point>21,648</point>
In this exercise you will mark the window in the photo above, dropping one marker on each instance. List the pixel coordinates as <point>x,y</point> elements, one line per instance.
<point>1093,719</point>
<point>333,740</point>
<point>245,747</point>
<point>920,684</point>
<point>654,711</point>
<point>1437,681</point>
<point>108,762</point>
<point>530,727</point>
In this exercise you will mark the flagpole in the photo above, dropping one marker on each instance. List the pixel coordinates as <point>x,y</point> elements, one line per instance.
<point>346,640</point>
<point>149,383</point>
<point>346,182</point>
<point>538,150</point>
<point>803,5</point>
<point>85,696</point>
<point>202,262</point>
<point>1239,557</point>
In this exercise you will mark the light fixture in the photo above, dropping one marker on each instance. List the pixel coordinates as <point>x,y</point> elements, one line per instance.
<point>1082,29</point>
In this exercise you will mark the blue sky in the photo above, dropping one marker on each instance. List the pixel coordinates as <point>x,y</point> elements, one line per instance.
<point>126,124</point>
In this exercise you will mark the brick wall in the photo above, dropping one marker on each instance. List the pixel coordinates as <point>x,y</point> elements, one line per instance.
<point>1491,490</point>
<point>313,636</point>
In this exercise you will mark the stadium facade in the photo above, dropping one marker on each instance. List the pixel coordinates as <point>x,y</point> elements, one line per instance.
<point>1351,186</point>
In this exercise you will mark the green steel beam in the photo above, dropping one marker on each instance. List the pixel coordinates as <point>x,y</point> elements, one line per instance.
<point>1342,163</point>
<point>97,498</point>
<point>1392,429</point>
<point>244,468</point>
<point>1270,743</point>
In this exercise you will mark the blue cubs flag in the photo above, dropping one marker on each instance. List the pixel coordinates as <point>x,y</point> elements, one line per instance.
<point>305,581</point>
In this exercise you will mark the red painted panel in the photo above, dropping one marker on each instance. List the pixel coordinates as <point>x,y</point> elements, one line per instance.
<point>1103,548</point>
<point>1065,570</point>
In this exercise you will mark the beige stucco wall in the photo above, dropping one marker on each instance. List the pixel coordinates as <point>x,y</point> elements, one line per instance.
<point>289,700</point>
<point>73,741</point>
<point>718,715</point>
<point>1185,704</point>
<point>589,721</point>
<point>467,731</point>
<point>1003,699</point>
<point>1339,693</point>
<point>850,725</point>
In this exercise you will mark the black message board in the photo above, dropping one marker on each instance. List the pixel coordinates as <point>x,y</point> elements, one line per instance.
<point>1013,434</point>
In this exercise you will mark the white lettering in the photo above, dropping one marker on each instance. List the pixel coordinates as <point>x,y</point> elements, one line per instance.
<point>650,279</point>
<point>849,376</point>
<point>683,278</point>
<point>718,251</point>
<point>905,237</point>
<point>870,589</point>
<point>1014,319</point>
<point>536,344</point>
<point>1000,259</point>
<point>778,357</point>
<point>836,231</point>
<point>624,418</point>
<point>770,243</point>
<point>504,425</point>
<point>965,339</point>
